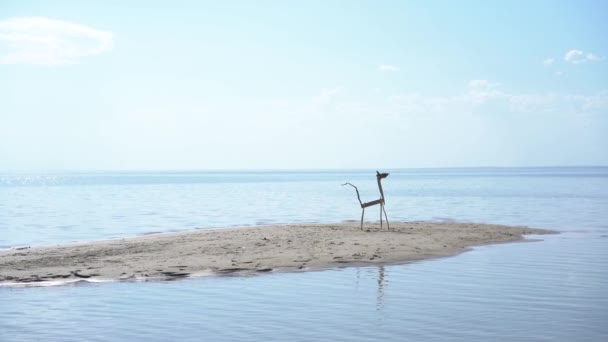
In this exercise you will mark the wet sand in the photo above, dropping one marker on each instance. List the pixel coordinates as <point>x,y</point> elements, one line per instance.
<point>245,251</point>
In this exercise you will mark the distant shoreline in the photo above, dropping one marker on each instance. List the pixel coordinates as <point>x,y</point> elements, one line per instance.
<point>280,170</point>
<point>248,250</point>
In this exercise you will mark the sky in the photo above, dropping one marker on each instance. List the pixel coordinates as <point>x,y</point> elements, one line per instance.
<point>207,85</point>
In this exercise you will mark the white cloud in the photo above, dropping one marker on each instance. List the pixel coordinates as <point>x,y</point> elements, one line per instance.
<point>44,41</point>
<point>548,62</point>
<point>575,56</point>
<point>388,67</point>
<point>578,56</point>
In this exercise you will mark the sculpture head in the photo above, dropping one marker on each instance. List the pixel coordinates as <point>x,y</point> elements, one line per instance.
<point>381,175</point>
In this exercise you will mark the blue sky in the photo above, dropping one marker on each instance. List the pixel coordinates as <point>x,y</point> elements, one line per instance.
<point>200,85</point>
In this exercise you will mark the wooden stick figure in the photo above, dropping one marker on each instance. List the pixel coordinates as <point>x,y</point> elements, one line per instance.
<point>379,177</point>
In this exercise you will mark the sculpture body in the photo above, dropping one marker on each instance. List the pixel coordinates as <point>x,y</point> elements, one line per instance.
<point>380,201</point>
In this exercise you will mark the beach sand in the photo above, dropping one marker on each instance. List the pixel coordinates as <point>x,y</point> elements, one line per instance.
<point>248,251</point>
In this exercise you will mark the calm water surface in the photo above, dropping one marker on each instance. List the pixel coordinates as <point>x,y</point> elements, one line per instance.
<point>556,289</point>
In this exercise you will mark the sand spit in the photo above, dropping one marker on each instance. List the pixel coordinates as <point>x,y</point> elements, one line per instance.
<point>247,251</point>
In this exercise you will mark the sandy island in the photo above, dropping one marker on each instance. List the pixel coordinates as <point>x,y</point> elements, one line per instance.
<point>248,251</point>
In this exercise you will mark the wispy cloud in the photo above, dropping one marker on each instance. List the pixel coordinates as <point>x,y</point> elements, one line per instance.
<point>389,68</point>
<point>483,96</point>
<point>548,62</point>
<point>593,57</point>
<point>578,56</point>
<point>482,84</point>
<point>327,96</point>
<point>45,41</point>
<point>481,91</point>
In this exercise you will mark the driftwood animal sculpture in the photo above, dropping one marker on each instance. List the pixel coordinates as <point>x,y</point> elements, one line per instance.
<point>380,201</point>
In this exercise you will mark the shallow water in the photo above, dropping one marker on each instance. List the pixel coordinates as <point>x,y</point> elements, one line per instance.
<point>556,289</point>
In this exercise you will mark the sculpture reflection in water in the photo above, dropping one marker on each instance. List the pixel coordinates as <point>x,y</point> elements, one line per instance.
<point>380,280</point>
<point>381,286</point>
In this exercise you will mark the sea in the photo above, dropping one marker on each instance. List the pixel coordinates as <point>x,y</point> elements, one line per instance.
<point>552,288</point>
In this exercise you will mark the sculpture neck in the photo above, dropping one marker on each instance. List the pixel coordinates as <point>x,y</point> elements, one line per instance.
<point>380,188</point>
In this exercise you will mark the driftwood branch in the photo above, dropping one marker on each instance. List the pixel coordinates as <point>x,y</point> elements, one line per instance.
<point>357,190</point>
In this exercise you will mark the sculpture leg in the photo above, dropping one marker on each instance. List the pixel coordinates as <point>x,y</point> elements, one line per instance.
<point>380,216</point>
<point>362,214</point>
<point>387,225</point>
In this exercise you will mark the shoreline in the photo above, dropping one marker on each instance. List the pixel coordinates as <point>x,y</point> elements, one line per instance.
<point>248,250</point>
